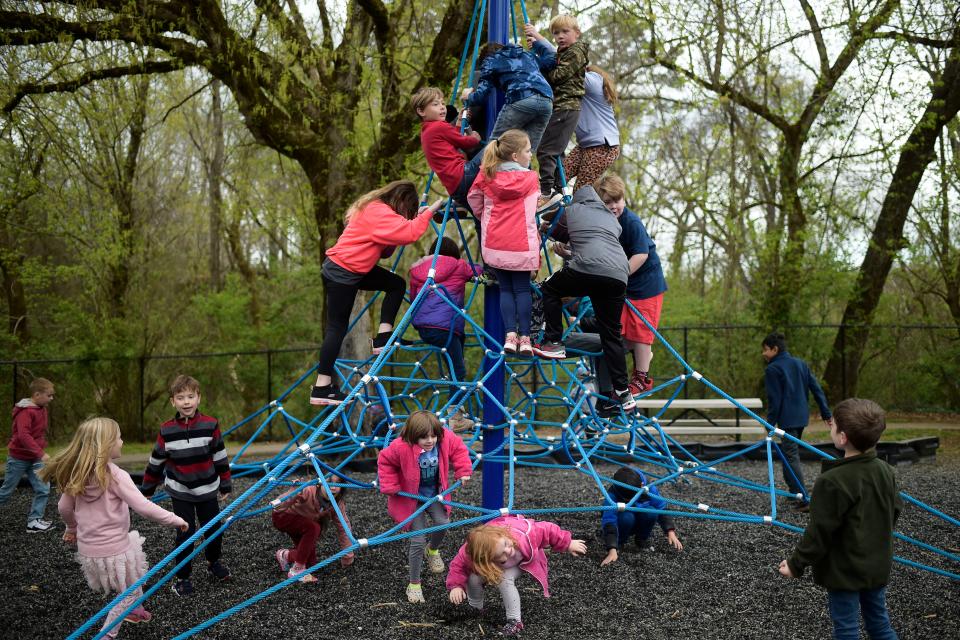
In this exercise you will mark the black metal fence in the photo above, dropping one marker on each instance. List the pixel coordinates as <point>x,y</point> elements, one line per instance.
<point>905,368</point>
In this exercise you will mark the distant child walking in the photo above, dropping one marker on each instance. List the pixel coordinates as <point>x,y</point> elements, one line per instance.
<point>504,197</point>
<point>437,319</point>
<point>304,515</point>
<point>25,452</point>
<point>95,505</point>
<point>376,223</point>
<point>419,462</point>
<point>598,136</point>
<point>190,461</point>
<point>497,553</point>
<point>849,538</point>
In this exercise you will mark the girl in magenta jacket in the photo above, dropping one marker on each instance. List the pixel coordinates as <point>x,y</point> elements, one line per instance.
<point>504,197</point>
<point>418,462</point>
<point>497,552</point>
<point>95,505</point>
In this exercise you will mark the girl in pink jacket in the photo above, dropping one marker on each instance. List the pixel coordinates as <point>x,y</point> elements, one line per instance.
<point>504,197</point>
<point>497,552</point>
<point>376,223</point>
<point>418,462</point>
<point>95,505</point>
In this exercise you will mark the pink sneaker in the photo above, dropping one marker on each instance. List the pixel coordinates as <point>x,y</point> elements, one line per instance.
<point>525,348</point>
<point>510,343</point>
<point>296,568</point>
<point>282,559</point>
<point>138,615</point>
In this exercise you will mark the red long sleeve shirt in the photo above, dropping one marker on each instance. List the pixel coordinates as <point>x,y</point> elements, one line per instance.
<point>442,144</point>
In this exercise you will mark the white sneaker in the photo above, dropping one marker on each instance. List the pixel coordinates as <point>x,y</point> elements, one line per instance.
<point>39,526</point>
<point>415,594</point>
<point>434,561</point>
<point>547,203</point>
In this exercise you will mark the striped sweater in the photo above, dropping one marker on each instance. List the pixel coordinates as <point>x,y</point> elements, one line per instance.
<point>190,453</point>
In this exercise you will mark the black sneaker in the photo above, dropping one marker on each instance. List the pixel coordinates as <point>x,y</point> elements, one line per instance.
<point>183,587</point>
<point>218,570</point>
<point>619,401</point>
<point>326,395</point>
<point>381,341</point>
<point>551,350</point>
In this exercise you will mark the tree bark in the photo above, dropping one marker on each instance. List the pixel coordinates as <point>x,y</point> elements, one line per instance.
<point>214,186</point>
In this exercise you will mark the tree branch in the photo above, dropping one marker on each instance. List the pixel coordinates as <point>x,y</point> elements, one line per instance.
<point>817,35</point>
<point>913,38</point>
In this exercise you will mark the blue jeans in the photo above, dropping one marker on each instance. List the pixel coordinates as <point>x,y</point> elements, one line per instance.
<point>639,525</point>
<point>41,490</point>
<point>530,115</point>
<point>444,338</point>
<point>470,171</point>
<point>845,610</point>
<point>516,300</point>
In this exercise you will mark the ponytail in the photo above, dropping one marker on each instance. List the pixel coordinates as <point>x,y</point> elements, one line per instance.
<point>609,88</point>
<point>501,150</point>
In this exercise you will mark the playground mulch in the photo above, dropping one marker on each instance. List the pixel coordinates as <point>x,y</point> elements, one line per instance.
<point>723,585</point>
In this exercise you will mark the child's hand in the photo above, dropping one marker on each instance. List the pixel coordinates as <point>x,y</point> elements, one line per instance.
<point>532,33</point>
<point>674,540</point>
<point>182,525</point>
<point>785,569</point>
<point>433,208</point>
<point>611,557</point>
<point>224,497</point>
<point>466,93</point>
<point>577,548</point>
<point>464,480</point>
<point>70,537</point>
<point>458,595</point>
<point>476,136</point>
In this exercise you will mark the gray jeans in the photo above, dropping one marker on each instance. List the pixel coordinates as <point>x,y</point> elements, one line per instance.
<point>508,592</point>
<point>552,145</point>
<point>438,514</point>
<point>791,455</point>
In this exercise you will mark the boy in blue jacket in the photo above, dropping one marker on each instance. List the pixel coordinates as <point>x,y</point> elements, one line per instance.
<point>618,526</point>
<point>788,379</point>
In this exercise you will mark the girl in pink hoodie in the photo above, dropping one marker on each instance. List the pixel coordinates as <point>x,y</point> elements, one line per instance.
<point>504,198</point>
<point>95,505</point>
<point>497,553</point>
<point>418,463</point>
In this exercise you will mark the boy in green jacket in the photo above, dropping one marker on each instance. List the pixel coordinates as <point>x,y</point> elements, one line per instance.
<point>849,539</point>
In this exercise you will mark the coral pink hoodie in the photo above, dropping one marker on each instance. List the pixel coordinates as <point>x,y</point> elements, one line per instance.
<point>101,519</point>
<point>372,232</point>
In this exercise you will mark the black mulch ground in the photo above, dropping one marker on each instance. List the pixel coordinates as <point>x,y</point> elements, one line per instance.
<point>723,585</point>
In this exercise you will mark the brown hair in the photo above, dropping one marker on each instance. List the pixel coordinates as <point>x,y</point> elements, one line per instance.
<point>501,150</point>
<point>40,385</point>
<point>610,188</point>
<point>423,97</point>
<point>420,424</point>
<point>862,420</point>
<point>481,545</point>
<point>184,383</point>
<point>488,50</point>
<point>609,88</point>
<point>399,195</point>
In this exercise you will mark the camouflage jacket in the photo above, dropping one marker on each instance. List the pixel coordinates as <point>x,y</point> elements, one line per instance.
<point>512,70</point>
<point>565,71</point>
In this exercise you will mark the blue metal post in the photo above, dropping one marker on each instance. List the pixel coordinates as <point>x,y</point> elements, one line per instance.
<point>497,31</point>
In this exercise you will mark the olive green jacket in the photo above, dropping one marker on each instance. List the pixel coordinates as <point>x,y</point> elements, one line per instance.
<point>849,538</point>
<point>565,71</point>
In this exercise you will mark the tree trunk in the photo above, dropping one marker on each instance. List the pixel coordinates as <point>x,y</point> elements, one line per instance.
<point>887,237</point>
<point>214,182</point>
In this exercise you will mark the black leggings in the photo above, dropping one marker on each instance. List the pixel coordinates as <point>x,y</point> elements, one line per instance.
<point>340,299</point>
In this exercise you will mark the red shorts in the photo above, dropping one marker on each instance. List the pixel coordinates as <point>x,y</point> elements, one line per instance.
<point>634,329</point>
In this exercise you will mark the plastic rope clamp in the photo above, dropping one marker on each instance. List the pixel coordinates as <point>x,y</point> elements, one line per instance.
<point>431,273</point>
<point>768,439</point>
<point>479,456</point>
<point>304,448</point>
<point>703,507</point>
<point>504,511</point>
<point>273,403</point>
<point>365,379</point>
<point>275,503</point>
<point>767,520</point>
<point>621,506</point>
<point>363,543</point>
<point>697,375</point>
<point>779,432</point>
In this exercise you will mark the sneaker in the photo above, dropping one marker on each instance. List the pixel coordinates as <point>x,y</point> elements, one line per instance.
<point>415,594</point>
<point>183,587</point>
<point>218,570</point>
<point>802,506</point>
<point>619,401</point>
<point>39,526</point>
<point>644,546</point>
<point>138,615</point>
<point>381,341</point>
<point>297,568</point>
<point>548,203</point>
<point>460,422</point>
<point>458,211</point>
<point>550,350</point>
<point>510,343</point>
<point>434,561</point>
<point>525,348</point>
<point>326,395</point>
<point>627,403</point>
<point>640,383</point>
<point>281,556</point>
<point>512,628</point>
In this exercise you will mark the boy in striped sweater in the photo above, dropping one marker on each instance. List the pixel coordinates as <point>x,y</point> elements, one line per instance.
<point>190,460</point>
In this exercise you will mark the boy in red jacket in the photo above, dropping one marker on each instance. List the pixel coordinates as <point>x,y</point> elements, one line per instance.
<point>25,452</point>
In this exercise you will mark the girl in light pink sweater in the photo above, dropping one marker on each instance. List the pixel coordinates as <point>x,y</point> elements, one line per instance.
<point>95,505</point>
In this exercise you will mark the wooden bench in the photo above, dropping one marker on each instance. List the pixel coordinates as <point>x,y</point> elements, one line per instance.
<point>706,424</point>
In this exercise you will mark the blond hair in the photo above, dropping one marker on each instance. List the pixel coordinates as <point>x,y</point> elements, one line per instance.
<point>610,188</point>
<point>423,97</point>
<point>86,457</point>
<point>564,21</point>
<point>184,383</point>
<point>399,195</point>
<point>420,424</point>
<point>609,88</point>
<point>501,150</point>
<point>482,545</point>
<point>40,385</point>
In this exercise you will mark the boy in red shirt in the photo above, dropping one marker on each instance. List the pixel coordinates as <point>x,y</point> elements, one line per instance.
<point>25,452</point>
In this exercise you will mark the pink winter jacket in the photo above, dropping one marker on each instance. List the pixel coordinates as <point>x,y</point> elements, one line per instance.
<point>531,537</point>
<point>507,208</point>
<point>101,519</point>
<point>398,470</point>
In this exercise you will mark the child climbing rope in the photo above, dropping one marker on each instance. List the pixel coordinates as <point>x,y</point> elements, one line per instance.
<point>419,462</point>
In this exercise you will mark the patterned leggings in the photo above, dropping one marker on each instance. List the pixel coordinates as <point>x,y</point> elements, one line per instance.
<point>589,163</point>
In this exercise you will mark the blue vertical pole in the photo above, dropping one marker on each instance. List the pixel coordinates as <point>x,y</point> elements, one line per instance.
<point>497,31</point>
